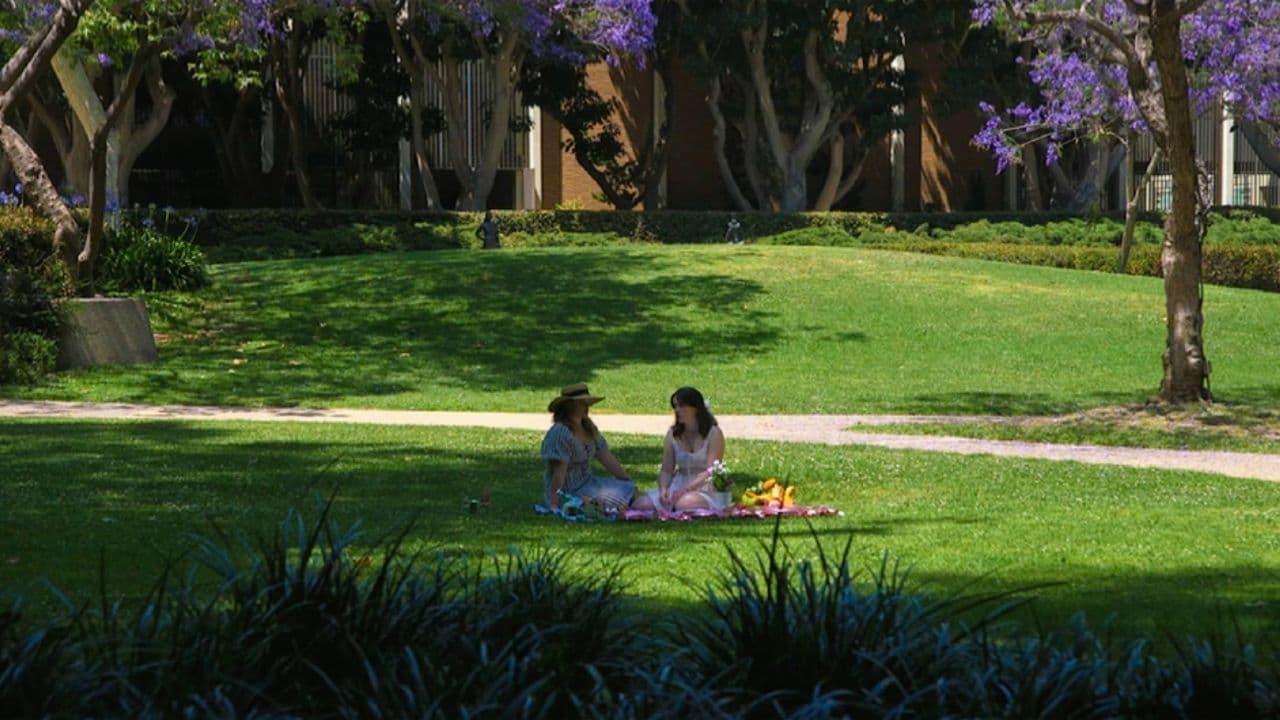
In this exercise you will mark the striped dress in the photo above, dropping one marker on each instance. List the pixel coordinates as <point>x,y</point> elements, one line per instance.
<point>560,444</point>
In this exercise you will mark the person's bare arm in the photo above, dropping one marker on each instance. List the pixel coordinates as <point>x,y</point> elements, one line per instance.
<point>667,470</point>
<point>559,471</point>
<point>610,463</point>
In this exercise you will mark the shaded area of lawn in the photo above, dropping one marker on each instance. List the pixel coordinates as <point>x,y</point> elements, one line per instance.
<point>758,329</point>
<point>327,330</point>
<point>1240,428</point>
<point>1157,549</point>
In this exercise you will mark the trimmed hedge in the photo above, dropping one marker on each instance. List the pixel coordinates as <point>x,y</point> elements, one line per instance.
<point>32,280</point>
<point>1242,247</point>
<point>255,234</point>
<point>1246,266</point>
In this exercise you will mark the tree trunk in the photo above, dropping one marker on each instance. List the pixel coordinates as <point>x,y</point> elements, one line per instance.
<point>16,78</point>
<point>1031,167</point>
<point>288,68</point>
<point>791,155</point>
<point>135,140</point>
<point>718,133</point>
<point>96,237</point>
<point>91,114</point>
<point>1186,369</point>
<point>415,64</point>
<point>43,196</point>
<point>749,128</point>
<point>1131,211</point>
<point>77,161</point>
<point>835,169</point>
<point>99,175</point>
<point>417,95</point>
<point>477,181</point>
<point>656,170</point>
<point>795,185</point>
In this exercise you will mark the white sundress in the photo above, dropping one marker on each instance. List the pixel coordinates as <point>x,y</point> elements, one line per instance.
<point>690,465</point>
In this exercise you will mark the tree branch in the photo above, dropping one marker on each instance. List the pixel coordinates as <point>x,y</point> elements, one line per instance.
<point>21,69</point>
<point>753,41</point>
<point>162,99</point>
<point>811,137</point>
<point>1187,7</point>
<point>57,131</point>
<point>1080,17</point>
<point>718,133</point>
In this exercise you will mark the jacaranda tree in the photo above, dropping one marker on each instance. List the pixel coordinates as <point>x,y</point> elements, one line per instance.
<point>117,44</point>
<point>32,32</point>
<point>1152,64</point>
<point>433,38</point>
<point>277,39</point>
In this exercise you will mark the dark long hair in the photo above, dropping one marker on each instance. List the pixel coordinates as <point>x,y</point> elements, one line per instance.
<point>692,398</point>
<point>561,415</point>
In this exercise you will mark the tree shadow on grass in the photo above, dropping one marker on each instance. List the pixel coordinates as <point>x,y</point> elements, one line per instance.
<point>133,494</point>
<point>1025,403</point>
<point>379,325</point>
<point>1021,403</point>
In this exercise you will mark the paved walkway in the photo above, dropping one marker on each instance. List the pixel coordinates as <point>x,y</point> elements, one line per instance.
<point>824,429</point>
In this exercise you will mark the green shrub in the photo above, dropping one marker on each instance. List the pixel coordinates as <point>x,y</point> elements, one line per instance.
<point>562,239</point>
<point>1239,265</point>
<point>143,258</point>
<point>820,236</point>
<point>1242,227</point>
<point>26,357</point>
<point>1049,238</point>
<point>32,282</point>
<point>1248,266</point>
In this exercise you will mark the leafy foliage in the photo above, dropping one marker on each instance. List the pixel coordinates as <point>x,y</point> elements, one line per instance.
<point>142,257</point>
<point>32,280</point>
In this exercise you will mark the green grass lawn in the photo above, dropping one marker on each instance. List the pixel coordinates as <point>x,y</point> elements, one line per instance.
<point>1239,428</point>
<point>1158,549</point>
<point>758,329</point>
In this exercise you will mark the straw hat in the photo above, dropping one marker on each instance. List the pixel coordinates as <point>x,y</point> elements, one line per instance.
<point>576,391</point>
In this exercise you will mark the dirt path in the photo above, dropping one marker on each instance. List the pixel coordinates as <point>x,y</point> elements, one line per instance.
<point>824,429</point>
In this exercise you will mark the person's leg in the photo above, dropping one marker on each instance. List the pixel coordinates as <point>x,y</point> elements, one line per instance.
<point>646,501</point>
<point>609,492</point>
<point>694,501</point>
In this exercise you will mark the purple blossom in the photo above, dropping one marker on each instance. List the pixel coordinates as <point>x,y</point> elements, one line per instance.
<point>1232,48</point>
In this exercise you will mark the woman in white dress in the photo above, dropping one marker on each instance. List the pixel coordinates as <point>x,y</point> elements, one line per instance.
<point>692,445</point>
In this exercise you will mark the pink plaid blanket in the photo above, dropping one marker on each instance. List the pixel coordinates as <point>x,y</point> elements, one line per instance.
<point>732,512</point>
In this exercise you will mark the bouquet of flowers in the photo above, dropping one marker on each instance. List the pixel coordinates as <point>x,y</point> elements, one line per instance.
<point>721,480</point>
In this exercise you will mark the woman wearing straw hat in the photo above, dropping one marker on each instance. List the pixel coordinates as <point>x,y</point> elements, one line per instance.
<point>568,448</point>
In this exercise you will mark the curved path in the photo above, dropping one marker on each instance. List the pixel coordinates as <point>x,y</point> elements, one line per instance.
<point>824,429</point>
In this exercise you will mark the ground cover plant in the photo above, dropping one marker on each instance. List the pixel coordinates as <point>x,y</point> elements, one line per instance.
<point>1159,550</point>
<point>752,327</point>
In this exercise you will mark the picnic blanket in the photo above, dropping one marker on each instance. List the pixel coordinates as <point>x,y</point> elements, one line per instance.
<point>733,512</point>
